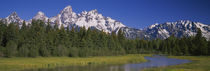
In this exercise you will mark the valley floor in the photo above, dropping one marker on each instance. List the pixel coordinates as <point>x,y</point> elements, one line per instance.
<point>200,63</point>
<point>11,64</point>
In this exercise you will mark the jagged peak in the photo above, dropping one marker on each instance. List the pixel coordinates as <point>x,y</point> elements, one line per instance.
<point>84,12</point>
<point>182,22</point>
<point>13,14</point>
<point>40,16</point>
<point>93,11</point>
<point>13,17</point>
<point>40,13</point>
<point>154,25</point>
<point>67,9</point>
<point>109,19</point>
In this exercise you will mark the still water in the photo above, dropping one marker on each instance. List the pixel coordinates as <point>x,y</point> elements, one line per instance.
<point>155,61</point>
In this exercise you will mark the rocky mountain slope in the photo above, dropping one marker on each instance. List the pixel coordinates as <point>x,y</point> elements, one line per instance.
<point>179,29</point>
<point>67,17</point>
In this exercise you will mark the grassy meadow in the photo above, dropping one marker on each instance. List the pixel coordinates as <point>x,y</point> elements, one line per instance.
<point>11,64</point>
<point>200,63</point>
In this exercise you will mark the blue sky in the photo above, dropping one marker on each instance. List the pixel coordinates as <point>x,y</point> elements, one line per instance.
<point>132,13</point>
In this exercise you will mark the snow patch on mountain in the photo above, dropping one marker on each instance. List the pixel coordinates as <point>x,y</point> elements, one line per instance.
<point>13,18</point>
<point>153,25</point>
<point>40,16</point>
<point>179,29</point>
<point>90,19</point>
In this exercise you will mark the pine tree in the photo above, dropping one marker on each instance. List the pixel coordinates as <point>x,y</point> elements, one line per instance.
<point>183,46</point>
<point>121,37</point>
<point>2,31</point>
<point>209,47</point>
<point>24,50</point>
<point>11,33</point>
<point>11,49</point>
<point>63,36</point>
<point>2,37</point>
<point>2,51</point>
<point>49,27</point>
<point>201,47</point>
<point>88,39</point>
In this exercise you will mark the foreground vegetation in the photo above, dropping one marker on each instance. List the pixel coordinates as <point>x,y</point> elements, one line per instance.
<point>200,63</point>
<point>9,64</point>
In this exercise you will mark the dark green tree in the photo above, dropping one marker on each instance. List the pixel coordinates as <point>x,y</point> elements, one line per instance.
<point>11,49</point>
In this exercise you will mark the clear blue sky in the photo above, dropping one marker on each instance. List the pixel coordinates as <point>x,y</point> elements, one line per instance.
<point>132,13</point>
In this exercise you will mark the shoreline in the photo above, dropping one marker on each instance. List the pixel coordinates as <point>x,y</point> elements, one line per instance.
<point>199,63</point>
<point>19,63</point>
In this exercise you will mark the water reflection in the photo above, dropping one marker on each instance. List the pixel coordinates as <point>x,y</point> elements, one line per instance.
<point>155,61</point>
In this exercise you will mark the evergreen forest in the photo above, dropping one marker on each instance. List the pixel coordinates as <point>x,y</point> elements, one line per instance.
<point>41,39</point>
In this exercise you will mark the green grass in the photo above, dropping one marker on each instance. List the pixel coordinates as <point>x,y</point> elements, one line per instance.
<point>200,63</point>
<point>11,64</point>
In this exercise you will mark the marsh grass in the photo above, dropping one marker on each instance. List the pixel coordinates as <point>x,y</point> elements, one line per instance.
<point>199,63</point>
<point>16,64</point>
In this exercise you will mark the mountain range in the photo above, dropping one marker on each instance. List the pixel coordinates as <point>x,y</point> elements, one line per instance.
<point>179,29</point>
<point>93,19</point>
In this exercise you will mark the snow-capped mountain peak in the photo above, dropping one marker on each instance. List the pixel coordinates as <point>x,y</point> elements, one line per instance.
<point>13,18</point>
<point>13,14</point>
<point>179,29</point>
<point>152,26</point>
<point>40,13</point>
<point>95,11</point>
<point>88,19</point>
<point>95,20</point>
<point>65,17</point>
<point>67,9</point>
<point>40,16</point>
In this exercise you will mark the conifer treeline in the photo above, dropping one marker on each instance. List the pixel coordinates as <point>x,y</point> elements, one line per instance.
<point>40,39</point>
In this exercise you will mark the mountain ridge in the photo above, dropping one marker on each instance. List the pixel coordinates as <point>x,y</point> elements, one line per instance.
<point>179,29</point>
<point>67,17</point>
